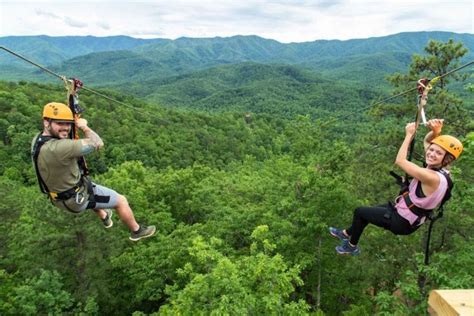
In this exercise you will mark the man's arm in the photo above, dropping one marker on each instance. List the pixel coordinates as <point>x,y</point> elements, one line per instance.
<point>91,141</point>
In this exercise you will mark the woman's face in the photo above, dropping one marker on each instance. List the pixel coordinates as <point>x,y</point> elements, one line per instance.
<point>434,155</point>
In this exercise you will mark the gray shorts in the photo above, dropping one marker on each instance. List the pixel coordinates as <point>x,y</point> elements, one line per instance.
<point>104,198</point>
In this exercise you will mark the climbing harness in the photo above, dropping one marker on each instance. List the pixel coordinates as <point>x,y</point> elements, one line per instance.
<point>418,211</point>
<point>39,141</point>
<point>77,191</point>
<point>421,213</point>
<point>424,86</point>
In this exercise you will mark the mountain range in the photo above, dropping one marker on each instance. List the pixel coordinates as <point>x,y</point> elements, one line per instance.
<point>203,72</point>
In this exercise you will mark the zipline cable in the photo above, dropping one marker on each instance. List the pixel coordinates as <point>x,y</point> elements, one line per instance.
<point>65,79</point>
<point>434,80</point>
<point>31,62</point>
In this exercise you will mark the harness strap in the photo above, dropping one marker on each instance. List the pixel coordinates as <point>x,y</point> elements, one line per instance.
<point>39,141</point>
<point>58,196</point>
<point>418,211</point>
<point>90,189</point>
<point>66,195</point>
<point>430,228</point>
<point>421,212</point>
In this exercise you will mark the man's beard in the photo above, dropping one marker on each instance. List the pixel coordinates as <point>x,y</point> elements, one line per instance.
<point>57,134</point>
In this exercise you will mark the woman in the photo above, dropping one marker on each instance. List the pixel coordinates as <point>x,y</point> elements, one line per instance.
<point>425,192</point>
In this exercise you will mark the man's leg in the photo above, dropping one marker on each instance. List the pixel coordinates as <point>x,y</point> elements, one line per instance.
<point>105,216</point>
<point>106,198</point>
<point>100,212</point>
<point>126,214</point>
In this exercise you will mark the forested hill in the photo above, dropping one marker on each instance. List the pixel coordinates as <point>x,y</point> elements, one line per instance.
<point>244,73</point>
<point>53,50</point>
<point>242,205</point>
<point>281,90</point>
<point>122,59</point>
<point>242,201</point>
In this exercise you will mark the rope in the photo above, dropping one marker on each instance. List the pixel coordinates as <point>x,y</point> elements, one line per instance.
<point>67,81</point>
<point>31,62</point>
<point>430,81</point>
<point>59,76</point>
<point>434,80</point>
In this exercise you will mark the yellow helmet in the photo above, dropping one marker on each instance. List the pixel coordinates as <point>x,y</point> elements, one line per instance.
<point>449,143</point>
<point>58,112</point>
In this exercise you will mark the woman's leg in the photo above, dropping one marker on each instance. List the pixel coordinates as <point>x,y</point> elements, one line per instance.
<point>378,215</point>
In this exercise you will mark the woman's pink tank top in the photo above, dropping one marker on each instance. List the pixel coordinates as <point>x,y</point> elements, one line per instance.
<point>429,202</point>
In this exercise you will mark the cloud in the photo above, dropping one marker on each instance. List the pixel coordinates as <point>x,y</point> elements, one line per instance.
<point>152,33</point>
<point>103,25</point>
<point>67,20</point>
<point>40,12</point>
<point>74,23</point>
<point>282,20</point>
<point>321,4</point>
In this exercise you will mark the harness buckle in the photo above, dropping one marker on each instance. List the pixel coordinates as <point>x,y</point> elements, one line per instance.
<point>79,198</point>
<point>53,195</point>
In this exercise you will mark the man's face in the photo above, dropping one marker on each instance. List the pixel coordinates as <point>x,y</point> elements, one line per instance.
<point>59,129</point>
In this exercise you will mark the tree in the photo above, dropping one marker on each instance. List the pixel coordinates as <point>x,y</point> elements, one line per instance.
<point>259,283</point>
<point>440,59</point>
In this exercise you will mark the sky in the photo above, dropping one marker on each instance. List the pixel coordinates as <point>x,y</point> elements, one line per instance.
<point>282,20</point>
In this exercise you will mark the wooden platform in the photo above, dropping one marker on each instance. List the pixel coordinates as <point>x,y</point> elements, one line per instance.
<point>451,302</point>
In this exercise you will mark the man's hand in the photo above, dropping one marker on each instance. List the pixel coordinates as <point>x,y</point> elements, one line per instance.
<point>81,123</point>
<point>91,141</point>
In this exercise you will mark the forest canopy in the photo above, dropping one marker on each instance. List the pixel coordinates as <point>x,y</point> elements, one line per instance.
<point>242,201</point>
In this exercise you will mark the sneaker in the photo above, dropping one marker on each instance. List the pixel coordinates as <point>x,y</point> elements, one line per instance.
<point>142,232</point>
<point>338,233</point>
<point>346,249</point>
<point>107,221</point>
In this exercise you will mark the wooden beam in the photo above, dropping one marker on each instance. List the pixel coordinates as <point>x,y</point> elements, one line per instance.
<point>451,302</point>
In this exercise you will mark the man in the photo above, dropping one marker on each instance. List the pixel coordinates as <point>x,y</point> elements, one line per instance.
<point>56,158</point>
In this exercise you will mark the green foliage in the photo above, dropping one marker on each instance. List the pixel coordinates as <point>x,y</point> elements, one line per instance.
<point>41,295</point>
<point>121,59</point>
<point>255,284</point>
<point>242,200</point>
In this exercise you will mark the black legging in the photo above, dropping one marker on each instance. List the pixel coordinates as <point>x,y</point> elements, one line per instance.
<point>384,216</point>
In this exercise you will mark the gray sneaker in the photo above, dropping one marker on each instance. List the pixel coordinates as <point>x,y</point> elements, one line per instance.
<point>107,221</point>
<point>142,232</point>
